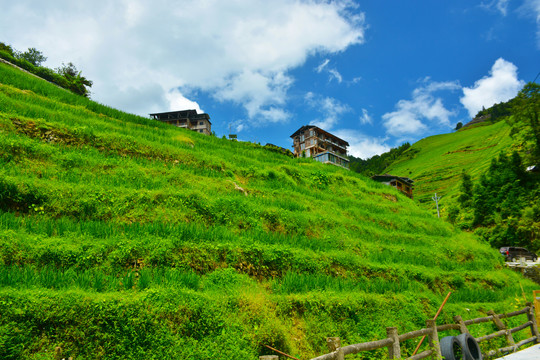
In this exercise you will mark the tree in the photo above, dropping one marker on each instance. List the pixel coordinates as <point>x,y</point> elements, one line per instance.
<point>466,190</point>
<point>526,114</point>
<point>33,56</point>
<point>459,125</point>
<point>7,48</point>
<point>76,82</point>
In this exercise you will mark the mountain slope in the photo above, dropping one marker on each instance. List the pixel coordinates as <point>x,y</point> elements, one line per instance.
<point>121,237</point>
<point>436,162</point>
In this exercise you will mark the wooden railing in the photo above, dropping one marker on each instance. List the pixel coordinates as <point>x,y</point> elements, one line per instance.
<point>393,339</point>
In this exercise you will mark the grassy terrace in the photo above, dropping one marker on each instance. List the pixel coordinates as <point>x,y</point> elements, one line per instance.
<point>121,237</point>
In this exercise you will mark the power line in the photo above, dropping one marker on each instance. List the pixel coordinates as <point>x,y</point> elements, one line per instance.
<point>536,77</point>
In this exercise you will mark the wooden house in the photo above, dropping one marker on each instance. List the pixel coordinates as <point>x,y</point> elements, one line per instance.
<point>188,119</point>
<point>312,141</point>
<point>403,184</point>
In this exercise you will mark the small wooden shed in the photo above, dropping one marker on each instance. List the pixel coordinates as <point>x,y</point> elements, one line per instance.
<point>403,184</point>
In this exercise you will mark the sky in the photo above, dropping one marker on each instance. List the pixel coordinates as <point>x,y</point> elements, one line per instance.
<point>376,73</point>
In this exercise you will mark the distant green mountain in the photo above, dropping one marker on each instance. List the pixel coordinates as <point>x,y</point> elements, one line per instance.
<point>125,238</point>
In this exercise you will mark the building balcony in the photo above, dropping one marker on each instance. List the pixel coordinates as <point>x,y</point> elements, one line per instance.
<point>328,157</point>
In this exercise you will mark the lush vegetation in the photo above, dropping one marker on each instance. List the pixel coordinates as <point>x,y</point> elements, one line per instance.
<point>436,162</point>
<point>497,112</point>
<point>125,238</point>
<point>503,205</point>
<point>480,172</point>
<point>65,76</point>
<point>376,164</point>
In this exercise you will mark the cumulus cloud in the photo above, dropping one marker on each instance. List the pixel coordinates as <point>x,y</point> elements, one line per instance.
<point>329,108</point>
<point>240,50</point>
<point>361,145</point>
<point>412,116</point>
<point>258,92</point>
<point>502,84</point>
<point>178,101</point>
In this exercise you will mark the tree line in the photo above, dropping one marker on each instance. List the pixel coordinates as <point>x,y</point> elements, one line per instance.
<point>66,76</point>
<point>376,164</point>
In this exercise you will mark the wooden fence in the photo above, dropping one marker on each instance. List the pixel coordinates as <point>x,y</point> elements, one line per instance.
<point>393,339</point>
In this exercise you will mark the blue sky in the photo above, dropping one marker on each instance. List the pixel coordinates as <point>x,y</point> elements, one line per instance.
<point>376,73</point>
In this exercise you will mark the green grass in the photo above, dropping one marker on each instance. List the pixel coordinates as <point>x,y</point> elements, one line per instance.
<point>122,237</point>
<point>435,163</point>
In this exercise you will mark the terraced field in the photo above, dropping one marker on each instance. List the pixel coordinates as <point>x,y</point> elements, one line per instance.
<point>125,238</point>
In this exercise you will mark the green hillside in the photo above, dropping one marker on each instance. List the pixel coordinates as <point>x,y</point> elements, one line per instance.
<point>125,238</point>
<point>436,162</point>
<point>480,174</point>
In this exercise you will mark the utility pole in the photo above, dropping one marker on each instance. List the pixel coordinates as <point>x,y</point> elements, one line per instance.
<point>436,199</point>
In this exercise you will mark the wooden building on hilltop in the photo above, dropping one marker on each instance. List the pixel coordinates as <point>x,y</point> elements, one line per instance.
<point>312,141</point>
<point>403,184</point>
<point>188,119</point>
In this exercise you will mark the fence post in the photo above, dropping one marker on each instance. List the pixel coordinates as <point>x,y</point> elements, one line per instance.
<point>462,327</point>
<point>501,326</point>
<point>434,339</point>
<point>269,357</point>
<point>394,349</point>
<point>534,326</point>
<point>334,344</point>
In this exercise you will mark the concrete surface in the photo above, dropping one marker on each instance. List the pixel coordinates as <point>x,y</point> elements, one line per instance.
<point>531,353</point>
<point>526,263</point>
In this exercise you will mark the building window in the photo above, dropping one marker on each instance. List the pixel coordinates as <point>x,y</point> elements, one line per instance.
<point>301,138</point>
<point>201,122</point>
<point>302,146</point>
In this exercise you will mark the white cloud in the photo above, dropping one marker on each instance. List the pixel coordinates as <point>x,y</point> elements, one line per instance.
<point>361,145</point>
<point>259,93</point>
<point>240,50</point>
<point>321,67</point>
<point>498,5</point>
<point>532,8</point>
<point>177,101</point>
<point>334,73</point>
<point>410,116</point>
<point>365,118</point>
<point>330,109</point>
<point>502,84</point>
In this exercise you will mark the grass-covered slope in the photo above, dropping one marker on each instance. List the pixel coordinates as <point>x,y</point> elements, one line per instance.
<point>121,237</point>
<point>436,162</point>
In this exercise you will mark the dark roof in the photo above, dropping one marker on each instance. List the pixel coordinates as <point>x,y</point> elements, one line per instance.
<point>182,114</point>
<point>307,127</point>
<point>388,177</point>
